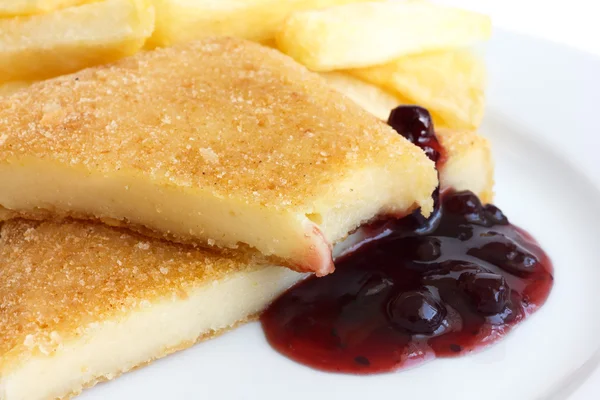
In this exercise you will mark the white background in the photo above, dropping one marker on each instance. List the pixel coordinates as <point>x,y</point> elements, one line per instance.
<point>575,23</point>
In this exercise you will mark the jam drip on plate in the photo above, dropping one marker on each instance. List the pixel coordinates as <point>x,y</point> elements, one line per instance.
<point>443,288</point>
<point>421,289</point>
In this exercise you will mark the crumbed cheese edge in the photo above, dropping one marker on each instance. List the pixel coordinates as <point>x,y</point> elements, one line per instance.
<point>112,347</point>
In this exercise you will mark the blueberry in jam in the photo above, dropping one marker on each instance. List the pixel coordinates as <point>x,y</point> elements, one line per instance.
<point>416,293</point>
<point>488,291</point>
<point>425,288</point>
<point>416,311</point>
<point>415,124</point>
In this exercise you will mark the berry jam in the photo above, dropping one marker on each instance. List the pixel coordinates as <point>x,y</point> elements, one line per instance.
<point>416,288</point>
<point>415,124</point>
<point>441,288</point>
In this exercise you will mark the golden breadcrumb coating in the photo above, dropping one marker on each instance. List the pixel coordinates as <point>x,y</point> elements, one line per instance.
<point>57,278</point>
<point>221,119</point>
<point>469,164</point>
<point>227,114</point>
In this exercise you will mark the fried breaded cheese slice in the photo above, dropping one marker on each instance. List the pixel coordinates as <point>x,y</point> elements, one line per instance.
<point>218,142</point>
<point>83,302</point>
<point>469,164</point>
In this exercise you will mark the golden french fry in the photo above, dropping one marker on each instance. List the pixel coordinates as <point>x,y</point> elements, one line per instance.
<point>10,8</point>
<point>469,163</point>
<point>9,88</point>
<point>366,34</point>
<point>370,97</point>
<point>258,20</point>
<point>64,41</point>
<point>451,85</point>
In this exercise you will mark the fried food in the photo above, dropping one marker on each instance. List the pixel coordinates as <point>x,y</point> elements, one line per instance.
<point>69,288</point>
<point>82,302</point>
<point>367,34</point>
<point>258,20</point>
<point>469,164</point>
<point>237,145</point>
<point>468,158</point>
<point>47,45</point>
<point>11,8</point>
<point>9,88</point>
<point>450,84</point>
<point>370,97</point>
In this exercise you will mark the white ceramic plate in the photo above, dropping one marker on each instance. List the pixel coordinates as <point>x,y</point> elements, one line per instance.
<point>543,109</point>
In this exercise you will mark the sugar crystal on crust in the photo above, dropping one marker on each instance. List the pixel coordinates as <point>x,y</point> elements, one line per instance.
<point>235,117</point>
<point>59,278</point>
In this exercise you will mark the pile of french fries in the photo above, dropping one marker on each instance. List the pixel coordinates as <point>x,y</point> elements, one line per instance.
<point>379,53</point>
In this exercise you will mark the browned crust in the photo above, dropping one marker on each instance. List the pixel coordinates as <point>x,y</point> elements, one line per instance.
<point>56,278</point>
<point>459,144</point>
<point>222,119</point>
<point>59,216</point>
<point>234,118</point>
<point>55,216</point>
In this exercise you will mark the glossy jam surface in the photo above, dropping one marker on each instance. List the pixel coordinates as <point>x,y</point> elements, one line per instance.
<point>415,124</point>
<point>422,289</point>
<point>415,288</point>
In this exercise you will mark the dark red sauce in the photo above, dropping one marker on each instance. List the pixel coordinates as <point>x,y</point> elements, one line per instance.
<point>415,124</point>
<point>440,287</point>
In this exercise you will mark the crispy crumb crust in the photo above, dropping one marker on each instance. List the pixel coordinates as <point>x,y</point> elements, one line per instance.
<point>56,279</point>
<point>58,217</point>
<point>168,351</point>
<point>232,118</point>
<point>470,163</point>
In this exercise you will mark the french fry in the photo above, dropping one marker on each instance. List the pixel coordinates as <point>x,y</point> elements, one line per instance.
<point>64,41</point>
<point>258,20</point>
<point>367,34</point>
<point>9,88</point>
<point>465,150</point>
<point>370,97</point>
<point>11,8</point>
<point>451,85</point>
